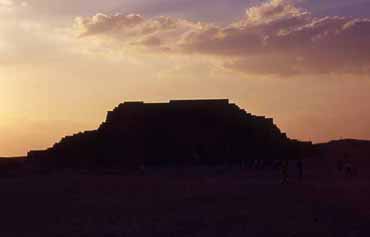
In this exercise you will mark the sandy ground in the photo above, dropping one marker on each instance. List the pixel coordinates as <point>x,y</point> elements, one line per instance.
<point>183,203</point>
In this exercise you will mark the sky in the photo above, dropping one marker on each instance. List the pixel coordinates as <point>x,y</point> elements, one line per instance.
<point>65,63</point>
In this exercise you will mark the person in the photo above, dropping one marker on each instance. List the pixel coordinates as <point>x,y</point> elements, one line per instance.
<point>340,165</point>
<point>347,166</point>
<point>284,171</point>
<point>348,169</point>
<point>300,169</point>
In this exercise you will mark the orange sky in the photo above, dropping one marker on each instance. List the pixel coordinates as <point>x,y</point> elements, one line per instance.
<point>60,73</point>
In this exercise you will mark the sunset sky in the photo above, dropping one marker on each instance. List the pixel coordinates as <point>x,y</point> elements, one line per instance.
<point>65,63</point>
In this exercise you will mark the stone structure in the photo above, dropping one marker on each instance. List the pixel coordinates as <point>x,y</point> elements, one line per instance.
<point>175,133</point>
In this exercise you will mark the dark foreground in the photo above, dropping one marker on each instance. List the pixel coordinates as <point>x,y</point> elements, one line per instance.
<point>176,203</point>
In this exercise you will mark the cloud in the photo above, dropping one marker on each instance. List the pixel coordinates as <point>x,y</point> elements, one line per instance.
<point>275,37</point>
<point>133,30</point>
<point>101,23</point>
<point>271,11</point>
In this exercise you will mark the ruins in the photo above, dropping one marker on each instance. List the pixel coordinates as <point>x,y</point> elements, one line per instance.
<point>181,132</point>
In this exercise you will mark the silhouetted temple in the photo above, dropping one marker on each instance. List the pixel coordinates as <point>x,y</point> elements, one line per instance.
<point>178,132</point>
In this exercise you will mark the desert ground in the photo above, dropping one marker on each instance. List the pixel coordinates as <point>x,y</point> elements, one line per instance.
<point>184,202</point>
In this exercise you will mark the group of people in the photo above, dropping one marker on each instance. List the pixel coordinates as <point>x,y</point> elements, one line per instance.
<point>346,167</point>
<point>285,167</point>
